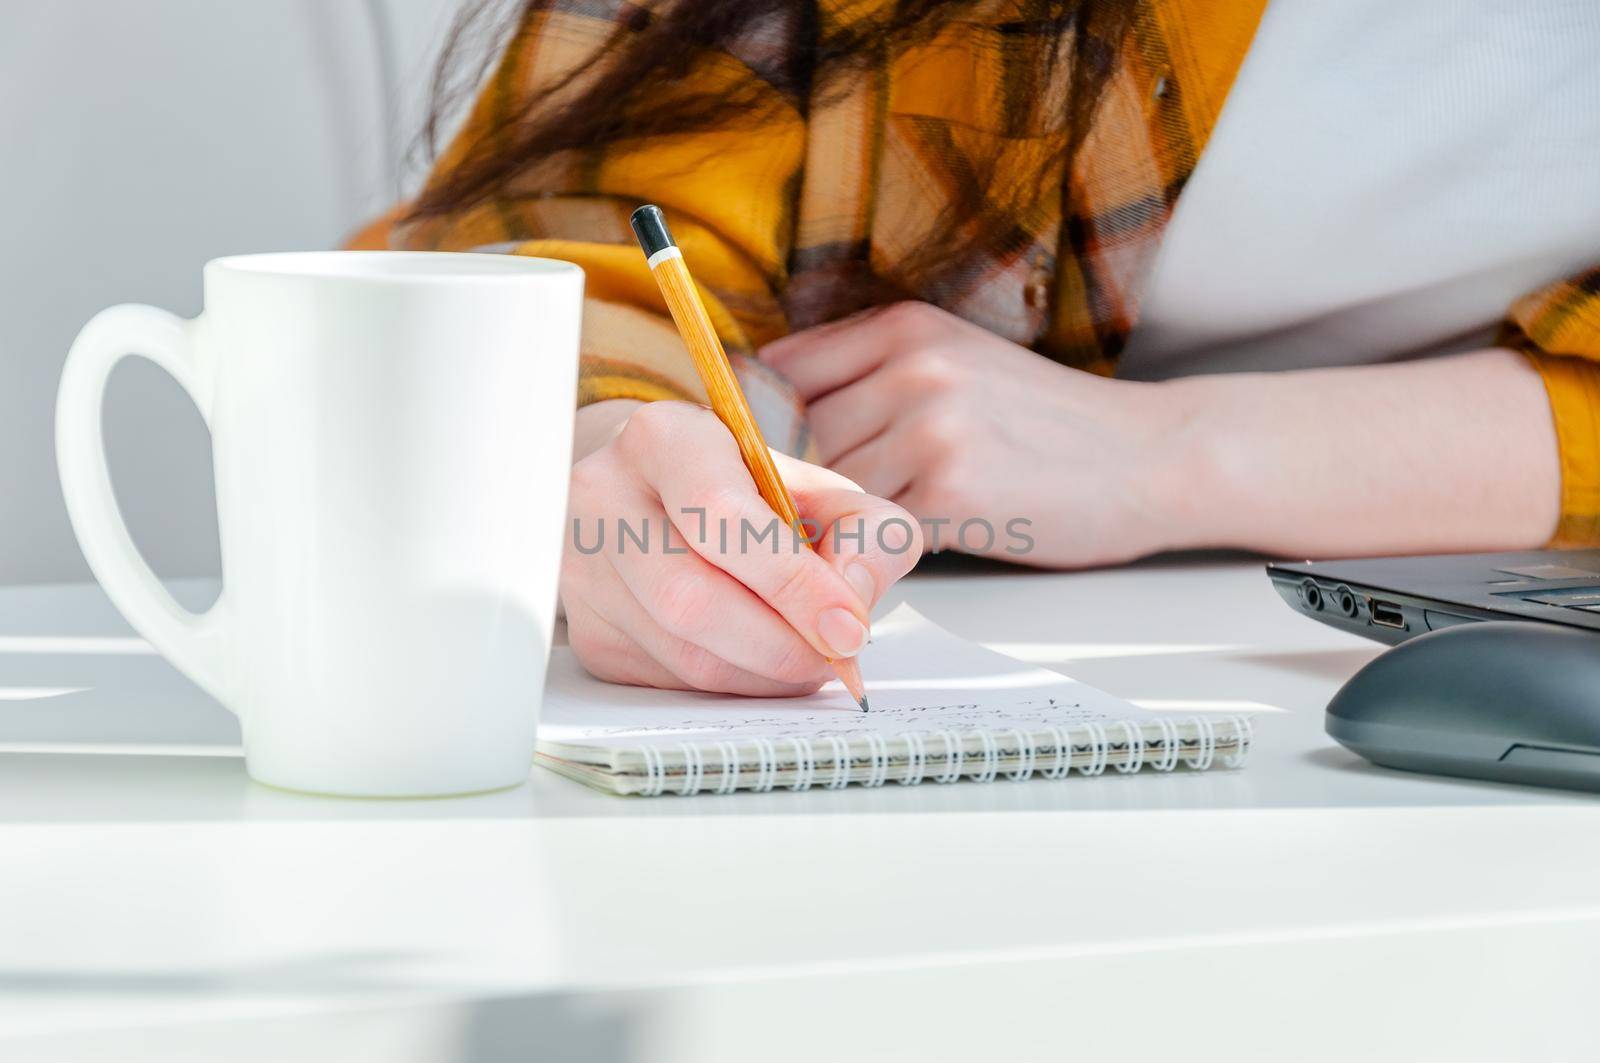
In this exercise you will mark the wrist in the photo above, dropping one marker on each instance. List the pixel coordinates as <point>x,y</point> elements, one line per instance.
<point>1206,478</point>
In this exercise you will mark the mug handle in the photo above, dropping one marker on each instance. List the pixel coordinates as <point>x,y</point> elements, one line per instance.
<point>191,641</point>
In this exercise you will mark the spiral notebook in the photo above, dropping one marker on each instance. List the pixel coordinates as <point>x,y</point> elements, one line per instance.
<point>943,709</point>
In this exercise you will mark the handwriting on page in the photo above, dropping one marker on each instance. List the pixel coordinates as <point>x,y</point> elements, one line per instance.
<point>1027,714</point>
<point>923,679</point>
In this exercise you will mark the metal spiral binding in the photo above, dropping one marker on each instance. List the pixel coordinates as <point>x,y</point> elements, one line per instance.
<point>766,765</point>
<point>954,756</point>
<point>916,758</point>
<point>730,768</point>
<point>841,763</point>
<point>805,766</point>
<point>878,749</point>
<point>694,768</point>
<point>991,757</point>
<point>1170,746</point>
<point>1207,746</point>
<point>1088,746</point>
<point>655,772</point>
<point>1243,734</point>
<point>1026,757</point>
<point>1135,758</point>
<point>1099,750</point>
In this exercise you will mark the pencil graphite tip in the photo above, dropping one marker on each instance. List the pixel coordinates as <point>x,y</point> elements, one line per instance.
<point>863,704</point>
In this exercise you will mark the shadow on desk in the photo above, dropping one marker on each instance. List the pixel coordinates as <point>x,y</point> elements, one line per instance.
<point>613,1027</point>
<point>1337,759</point>
<point>95,728</point>
<point>108,732</point>
<point>134,787</point>
<point>1333,665</point>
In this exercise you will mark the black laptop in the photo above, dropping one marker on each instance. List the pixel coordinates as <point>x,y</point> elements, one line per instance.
<point>1393,598</point>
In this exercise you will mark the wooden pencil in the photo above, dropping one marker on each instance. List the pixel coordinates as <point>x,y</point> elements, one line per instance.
<point>727,398</point>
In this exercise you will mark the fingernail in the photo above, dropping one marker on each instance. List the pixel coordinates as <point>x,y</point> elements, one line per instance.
<point>841,632</point>
<point>860,579</point>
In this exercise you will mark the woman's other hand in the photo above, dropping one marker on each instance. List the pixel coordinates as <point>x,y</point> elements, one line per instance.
<point>997,450</point>
<point>963,428</point>
<point>677,574</point>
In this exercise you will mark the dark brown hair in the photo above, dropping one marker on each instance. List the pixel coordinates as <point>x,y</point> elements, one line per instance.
<point>656,47</point>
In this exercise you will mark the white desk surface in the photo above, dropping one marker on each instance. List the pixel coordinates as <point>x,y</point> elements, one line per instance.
<point>156,904</point>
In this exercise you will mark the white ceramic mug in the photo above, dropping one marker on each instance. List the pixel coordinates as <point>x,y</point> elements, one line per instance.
<point>392,438</point>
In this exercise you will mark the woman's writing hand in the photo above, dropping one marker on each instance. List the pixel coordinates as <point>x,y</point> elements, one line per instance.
<point>677,574</point>
<point>996,449</point>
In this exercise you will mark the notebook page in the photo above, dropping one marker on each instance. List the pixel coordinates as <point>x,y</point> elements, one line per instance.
<point>919,677</point>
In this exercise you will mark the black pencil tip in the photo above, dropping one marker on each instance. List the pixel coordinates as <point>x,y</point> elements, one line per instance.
<point>863,704</point>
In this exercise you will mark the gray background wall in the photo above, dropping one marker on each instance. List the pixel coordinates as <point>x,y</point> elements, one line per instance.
<point>138,140</point>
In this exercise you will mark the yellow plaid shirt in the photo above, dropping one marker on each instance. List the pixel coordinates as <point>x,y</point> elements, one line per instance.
<point>867,170</point>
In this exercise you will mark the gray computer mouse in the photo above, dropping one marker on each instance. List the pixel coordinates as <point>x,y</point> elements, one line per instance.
<point>1510,701</point>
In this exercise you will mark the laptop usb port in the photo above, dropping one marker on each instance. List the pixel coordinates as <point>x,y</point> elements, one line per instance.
<point>1386,614</point>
